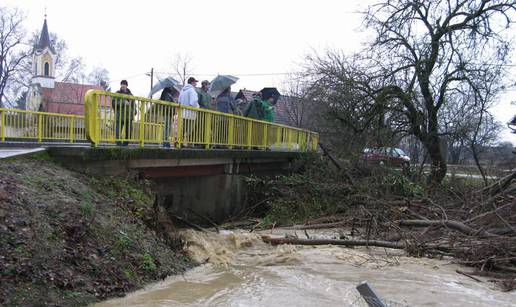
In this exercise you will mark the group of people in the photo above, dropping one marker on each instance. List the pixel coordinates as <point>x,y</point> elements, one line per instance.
<point>259,108</point>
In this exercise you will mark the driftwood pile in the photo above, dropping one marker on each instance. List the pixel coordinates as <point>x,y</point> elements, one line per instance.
<point>477,228</point>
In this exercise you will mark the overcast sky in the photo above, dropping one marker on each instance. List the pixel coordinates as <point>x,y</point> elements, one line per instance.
<point>257,41</point>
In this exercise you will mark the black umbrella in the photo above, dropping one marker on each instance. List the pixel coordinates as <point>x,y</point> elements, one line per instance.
<point>268,92</point>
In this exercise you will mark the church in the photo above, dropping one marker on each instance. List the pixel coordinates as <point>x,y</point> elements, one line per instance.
<point>45,93</point>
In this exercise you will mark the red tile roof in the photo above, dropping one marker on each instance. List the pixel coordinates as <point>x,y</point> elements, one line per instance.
<point>247,94</point>
<point>66,98</point>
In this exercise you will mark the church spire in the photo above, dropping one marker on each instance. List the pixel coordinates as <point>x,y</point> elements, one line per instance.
<point>44,37</point>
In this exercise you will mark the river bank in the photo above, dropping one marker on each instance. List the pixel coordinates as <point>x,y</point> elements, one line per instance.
<point>67,239</point>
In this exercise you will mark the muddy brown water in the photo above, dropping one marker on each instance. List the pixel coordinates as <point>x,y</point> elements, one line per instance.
<point>241,270</point>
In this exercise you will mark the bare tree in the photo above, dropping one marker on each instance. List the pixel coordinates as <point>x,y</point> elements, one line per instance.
<point>430,53</point>
<point>299,104</point>
<point>182,67</point>
<point>13,51</point>
<point>74,71</point>
<point>99,76</point>
<point>351,107</point>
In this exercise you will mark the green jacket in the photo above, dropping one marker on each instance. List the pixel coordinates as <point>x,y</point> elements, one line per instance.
<point>269,111</point>
<point>260,109</point>
<point>255,109</point>
<point>204,98</point>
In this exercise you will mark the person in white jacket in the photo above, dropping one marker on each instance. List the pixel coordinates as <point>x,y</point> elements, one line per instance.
<point>189,97</point>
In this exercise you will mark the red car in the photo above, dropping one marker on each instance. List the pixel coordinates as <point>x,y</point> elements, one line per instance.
<point>386,156</point>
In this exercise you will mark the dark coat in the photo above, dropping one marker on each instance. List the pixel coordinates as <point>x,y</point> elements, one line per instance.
<point>225,103</point>
<point>125,109</point>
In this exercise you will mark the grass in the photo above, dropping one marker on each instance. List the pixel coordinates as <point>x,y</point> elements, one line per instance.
<point>148,263</point>
<point>87,209</point>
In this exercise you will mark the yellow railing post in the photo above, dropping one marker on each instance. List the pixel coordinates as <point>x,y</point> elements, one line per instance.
<point>72,128</point>
<point>231,127</point>
<point>40,128</point>
<point>98,119</point>
<point>91,120</point>
<point>249,133</point>
<point>2,132</point>
<point>179,127</point>
<point>278,136</point>
<point>289,143</point>
<point>207,130</point>
<point>142,124</point>
<point>264,136</point>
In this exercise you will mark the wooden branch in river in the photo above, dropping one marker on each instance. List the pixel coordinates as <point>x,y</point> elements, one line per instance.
<point>298,241</point>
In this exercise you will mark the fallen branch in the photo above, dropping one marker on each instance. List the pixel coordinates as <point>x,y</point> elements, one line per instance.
<point>319,226</point>
<point>188,223</point>
<point>325,219</point>
<point>299,241</point>
<point>504,268</point>
<point>468,275</point>
<point>207,219</point>
<point>446,223</point>
<point>488,213</point>
<point>499,185</point>
<point>337,164</point>
<point>507,231</point>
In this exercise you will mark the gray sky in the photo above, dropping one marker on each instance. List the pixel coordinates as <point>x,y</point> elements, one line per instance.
<point>249,39</point>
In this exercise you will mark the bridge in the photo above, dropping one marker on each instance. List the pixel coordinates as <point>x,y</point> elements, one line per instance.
<point>202,171</point>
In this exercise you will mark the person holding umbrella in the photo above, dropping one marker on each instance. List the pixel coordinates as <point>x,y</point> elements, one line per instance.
<point>225,102</point>
<point>221,86</point>
<point>270,96</point>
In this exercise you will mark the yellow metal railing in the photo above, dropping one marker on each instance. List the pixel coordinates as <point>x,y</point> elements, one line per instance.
<point>23,125</point>
<point>112,117</point>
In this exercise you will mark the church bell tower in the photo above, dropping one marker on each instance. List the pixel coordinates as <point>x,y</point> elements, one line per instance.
<point>43,60</point>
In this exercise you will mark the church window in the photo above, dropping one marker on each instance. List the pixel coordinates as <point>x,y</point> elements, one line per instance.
<point>47,69</point>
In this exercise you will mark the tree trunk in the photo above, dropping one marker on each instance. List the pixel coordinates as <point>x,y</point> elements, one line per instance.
<point>432,142</point>
<point>477,163</point>
<point>438,168</point>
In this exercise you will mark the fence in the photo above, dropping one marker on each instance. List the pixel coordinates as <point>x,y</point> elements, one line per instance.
<point>22,125</point>
<point>112,117</point>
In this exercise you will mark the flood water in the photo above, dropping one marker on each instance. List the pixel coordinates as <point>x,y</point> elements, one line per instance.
<point>241,270</point>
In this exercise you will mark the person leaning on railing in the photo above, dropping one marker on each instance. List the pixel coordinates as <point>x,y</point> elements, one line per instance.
<point>124,114</point>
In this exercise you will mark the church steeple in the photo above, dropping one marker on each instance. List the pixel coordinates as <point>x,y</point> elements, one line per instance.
<point>43,63</point>
<point>44,38</point>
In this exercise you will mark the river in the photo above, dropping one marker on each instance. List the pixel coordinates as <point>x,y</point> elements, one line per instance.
<point>240,270</point>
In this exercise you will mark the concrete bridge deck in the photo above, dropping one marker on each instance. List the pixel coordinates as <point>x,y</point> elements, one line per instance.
<point>158,162</point>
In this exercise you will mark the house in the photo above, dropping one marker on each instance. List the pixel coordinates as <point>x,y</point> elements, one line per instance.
<point>45,93</point>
